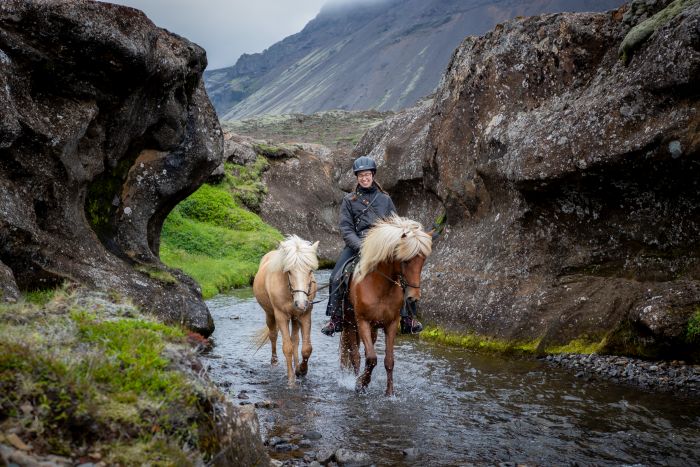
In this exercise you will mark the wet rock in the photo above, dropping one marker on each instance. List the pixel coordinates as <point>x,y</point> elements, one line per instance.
<point>305,443</point>
<point>410,453</point>
<point>286,447</point>
<point>347,457</point>
<point>658,376</point>
<point>325,455</point>
<point>312,435</point>
<point>266,404</point>
<point>275,440</point>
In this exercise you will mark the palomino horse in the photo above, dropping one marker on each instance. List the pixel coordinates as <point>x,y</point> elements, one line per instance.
<point>387,275</point>
<point>285,287</point>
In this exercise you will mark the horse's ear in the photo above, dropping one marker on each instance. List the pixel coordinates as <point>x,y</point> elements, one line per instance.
<point>315,245</point>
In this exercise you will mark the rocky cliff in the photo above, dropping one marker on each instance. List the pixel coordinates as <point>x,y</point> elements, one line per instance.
<point>105,127</point>
<point>382,55</point>
<point>569,179</point>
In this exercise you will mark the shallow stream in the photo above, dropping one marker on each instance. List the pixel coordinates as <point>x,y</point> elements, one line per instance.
<point>453,406</point>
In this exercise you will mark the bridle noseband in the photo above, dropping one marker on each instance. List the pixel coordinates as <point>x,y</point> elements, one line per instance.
<point>307,292</point>
<point>401,281</point>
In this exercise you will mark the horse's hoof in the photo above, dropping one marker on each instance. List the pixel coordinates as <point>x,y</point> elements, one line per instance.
<point>273,362</point>
<point>360,389</point>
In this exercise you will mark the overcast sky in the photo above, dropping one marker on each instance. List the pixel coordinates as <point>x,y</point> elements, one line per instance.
<point>228,28</point>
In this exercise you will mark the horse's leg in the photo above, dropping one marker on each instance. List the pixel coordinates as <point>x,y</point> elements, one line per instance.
<point>370,355</point>
<point>305,344</point>
<point>283,326</point>
<point>390,333</point>
<point>272,328</point>
<point>355,351</point>
<point>295,343</point>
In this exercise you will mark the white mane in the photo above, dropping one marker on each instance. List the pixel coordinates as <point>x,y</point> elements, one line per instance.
<point>394,238</point>
<point>293,254</point>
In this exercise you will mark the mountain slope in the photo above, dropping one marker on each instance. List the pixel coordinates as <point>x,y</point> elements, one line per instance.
<point>383,55</point>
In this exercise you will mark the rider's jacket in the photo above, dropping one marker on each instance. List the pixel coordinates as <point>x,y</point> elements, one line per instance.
<point>359,210</point>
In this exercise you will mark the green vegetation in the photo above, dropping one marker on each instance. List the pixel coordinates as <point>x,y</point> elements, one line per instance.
<point>693,329</point>
<point>81,373</point>
<point>245,182</point>
<point>101,193</point>
<point>157,274</point>
<point>489,344</point>
<point>641,32</point>
<point>215,240</point>
<point>476,342</point>
<point>578,346</point>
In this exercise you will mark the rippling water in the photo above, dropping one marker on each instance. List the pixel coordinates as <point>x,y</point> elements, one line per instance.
<point>452,406</point>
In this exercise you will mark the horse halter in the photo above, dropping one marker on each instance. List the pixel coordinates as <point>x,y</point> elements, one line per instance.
<point>293,290</point>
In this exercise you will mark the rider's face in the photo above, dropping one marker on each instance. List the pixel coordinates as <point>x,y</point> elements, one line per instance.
<point>365,178</point>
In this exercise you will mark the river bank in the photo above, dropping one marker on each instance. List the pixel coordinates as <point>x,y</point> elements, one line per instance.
<point>671,377</point>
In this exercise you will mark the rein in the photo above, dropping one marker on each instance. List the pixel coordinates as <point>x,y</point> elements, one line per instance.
<point>306,292</point>
<point>401,282</point>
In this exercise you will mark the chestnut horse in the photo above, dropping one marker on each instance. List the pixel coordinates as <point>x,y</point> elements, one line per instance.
<point>387,275</point>
<point>285,287</point>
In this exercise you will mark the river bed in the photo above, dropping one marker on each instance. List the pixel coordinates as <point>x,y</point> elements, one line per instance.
<point>453,406</point>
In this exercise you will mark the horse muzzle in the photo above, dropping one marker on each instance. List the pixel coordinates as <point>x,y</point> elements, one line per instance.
<point>301,305</point>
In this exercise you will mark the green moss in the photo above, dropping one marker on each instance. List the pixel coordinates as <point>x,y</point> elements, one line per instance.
<point>476,342</point>
<point>157,274</point>
<point>489,344</point>
<point>99,206</point>
<point>641,32</point>
<point>245,183</point>
<point>692,332</point>
<point>267,149</point>
<point>578,346</point>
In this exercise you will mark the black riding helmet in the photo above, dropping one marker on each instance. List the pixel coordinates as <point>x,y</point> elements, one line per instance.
<point>363,163</point>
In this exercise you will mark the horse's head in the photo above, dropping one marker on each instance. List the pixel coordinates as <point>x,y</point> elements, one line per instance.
<point>300,263</point>
<point>410,274</point>
<point>401,241</point>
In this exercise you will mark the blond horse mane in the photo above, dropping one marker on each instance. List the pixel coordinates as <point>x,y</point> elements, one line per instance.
<point>394,238</point>
<point>293,254</point>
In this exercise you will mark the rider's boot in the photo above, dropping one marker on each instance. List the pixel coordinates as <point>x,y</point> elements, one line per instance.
<point>333,326</point>
<point>410,325</point>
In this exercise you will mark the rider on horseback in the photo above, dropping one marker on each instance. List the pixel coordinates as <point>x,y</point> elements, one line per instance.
<point>358,212</point>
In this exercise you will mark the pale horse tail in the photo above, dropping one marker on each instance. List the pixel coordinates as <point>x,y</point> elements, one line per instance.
<point>260,338</point>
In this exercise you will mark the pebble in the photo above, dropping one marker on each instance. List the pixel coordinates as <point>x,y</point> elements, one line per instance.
<point>675,376</point>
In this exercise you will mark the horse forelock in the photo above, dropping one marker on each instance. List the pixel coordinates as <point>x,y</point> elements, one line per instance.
<point>393,238</point>
<point>293,254</point>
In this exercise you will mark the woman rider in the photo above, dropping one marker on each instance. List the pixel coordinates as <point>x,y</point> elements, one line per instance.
<point>359,210</point>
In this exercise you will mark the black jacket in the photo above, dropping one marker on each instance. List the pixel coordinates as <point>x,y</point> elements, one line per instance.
<point>360,210</point>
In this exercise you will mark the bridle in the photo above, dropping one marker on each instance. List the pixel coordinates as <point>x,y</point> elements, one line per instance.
<point>307,292</point>
<point>401,281</point>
